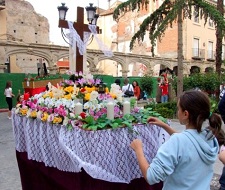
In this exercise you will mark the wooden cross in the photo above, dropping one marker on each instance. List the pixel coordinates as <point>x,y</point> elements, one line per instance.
<point>80,28</point>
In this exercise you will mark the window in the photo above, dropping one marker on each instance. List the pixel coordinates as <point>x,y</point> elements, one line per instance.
<point>210,50</point>
<point>196,14</point>
<point>211,23</point>
<point>196,47</point>
<point>223,52</point>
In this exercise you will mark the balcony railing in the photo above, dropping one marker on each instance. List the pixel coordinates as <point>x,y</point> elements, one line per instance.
<point>211,55</point>
<point>198,53</point>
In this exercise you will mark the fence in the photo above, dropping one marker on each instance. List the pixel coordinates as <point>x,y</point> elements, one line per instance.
<point>17,80</point>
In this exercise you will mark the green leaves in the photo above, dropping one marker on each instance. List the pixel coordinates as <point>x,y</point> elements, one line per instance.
<point>128,120</point>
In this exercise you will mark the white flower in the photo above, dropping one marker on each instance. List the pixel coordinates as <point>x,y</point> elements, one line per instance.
<point>39,114</point>
<point>93,95</point>
<point>28,112</point>
<point>87,105</point>
<point>65,121</point>
<point>72,114</point>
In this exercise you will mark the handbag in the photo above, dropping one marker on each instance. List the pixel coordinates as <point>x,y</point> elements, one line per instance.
<point>128,92</point>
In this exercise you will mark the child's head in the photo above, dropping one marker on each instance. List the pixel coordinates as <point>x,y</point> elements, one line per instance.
<point>20,98</point>
<point>194,109</point>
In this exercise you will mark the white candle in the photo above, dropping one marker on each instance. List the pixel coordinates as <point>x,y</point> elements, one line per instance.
<point>126,107</point>
<point>110,110</point>
<point>78,108</point>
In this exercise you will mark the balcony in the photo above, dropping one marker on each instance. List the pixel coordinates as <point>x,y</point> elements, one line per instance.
<point>198,54</point>
<point>2,4</point>
<point>211,55</point>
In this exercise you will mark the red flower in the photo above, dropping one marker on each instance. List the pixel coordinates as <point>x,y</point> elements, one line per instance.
<point>83,115</point>
<point>25,79</point>
<point>82,90</point>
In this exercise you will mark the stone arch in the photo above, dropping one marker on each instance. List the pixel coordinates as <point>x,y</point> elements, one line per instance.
<point>30,52</point>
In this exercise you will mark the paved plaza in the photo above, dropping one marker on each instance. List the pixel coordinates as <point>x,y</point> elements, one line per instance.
<point>9,173</point>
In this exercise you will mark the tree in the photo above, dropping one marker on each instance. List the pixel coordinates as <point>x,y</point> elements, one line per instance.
<point>169,12</point>
<point>219,40</point>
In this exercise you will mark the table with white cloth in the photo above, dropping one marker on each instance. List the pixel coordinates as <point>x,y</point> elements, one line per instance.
<point>52,156</point>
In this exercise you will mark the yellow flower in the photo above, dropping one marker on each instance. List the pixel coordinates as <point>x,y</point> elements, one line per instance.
<point>89,89</point>
<point>44,116</point>
<point>69,89</point>
<point>112,95</point>
<point>106,90</point>
<point>68,96</point>
<point>23,111</point>
<point>87,96</point>
<point>33,114</point>
<point>57,120</point>
<point>49,94</point>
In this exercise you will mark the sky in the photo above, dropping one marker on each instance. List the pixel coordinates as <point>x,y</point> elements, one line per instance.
<point>48,8</point>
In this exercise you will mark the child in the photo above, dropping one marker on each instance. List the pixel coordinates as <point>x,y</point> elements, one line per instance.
<point>183,160</point>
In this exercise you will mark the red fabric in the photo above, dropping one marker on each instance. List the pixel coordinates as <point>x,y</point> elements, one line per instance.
<point>36,176</point>
<point>33,91</point>
<point>137,92</point>
<point>26,95</point>
<point>164,88</point>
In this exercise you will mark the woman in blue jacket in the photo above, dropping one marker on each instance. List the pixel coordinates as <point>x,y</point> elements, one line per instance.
<point>186,157</point>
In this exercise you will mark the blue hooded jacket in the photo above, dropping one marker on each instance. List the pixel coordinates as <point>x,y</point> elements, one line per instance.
<point>185,161</point>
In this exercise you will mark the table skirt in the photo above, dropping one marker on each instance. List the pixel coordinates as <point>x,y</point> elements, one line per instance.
<point>36,176</point>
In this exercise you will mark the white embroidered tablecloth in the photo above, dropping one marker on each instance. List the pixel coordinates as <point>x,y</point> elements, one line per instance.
<point>103,154</point>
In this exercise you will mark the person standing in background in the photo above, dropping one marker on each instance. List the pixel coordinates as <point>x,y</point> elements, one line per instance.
<point>118,82</point>
<point>165,92</point>
<point>9,95</point>
<point>127,86</point>
<point>137,90</point>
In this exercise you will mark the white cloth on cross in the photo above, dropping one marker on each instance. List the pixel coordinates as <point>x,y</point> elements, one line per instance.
<point>107,52</point>
<point>75,39</point>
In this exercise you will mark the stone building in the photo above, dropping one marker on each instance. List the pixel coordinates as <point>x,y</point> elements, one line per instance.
<point>199,41</point>
<point>20,23</point>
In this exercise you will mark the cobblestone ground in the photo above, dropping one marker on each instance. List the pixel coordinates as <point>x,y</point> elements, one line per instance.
<point>215,182</point>
<point>9,174</point>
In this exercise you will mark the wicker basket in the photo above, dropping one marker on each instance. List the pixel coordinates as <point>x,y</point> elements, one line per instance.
<point>41,83</point>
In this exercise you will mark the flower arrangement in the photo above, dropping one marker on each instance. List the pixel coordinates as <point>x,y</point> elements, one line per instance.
<point>58,105</point>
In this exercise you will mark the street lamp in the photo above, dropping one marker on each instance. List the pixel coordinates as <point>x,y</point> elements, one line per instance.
<point>62,11</point>
<point>79,26</point>
<point>92,17</point>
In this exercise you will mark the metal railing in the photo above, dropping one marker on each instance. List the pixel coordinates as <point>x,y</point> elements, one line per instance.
<point>211,55</point>
<point>198,53</point>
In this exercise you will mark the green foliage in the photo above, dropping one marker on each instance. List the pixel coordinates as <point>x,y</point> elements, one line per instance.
<point>166,110</point>
<point>166,14</point>
<point>208,82</point>
<point>147,84</point>
<point>127,120</point>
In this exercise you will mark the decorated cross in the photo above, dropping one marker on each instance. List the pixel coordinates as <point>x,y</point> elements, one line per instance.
<point>80,27</point>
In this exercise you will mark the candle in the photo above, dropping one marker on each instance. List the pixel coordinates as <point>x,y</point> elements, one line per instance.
<point>110,110</point>
<point>126,107</point>
<point>78,108</point>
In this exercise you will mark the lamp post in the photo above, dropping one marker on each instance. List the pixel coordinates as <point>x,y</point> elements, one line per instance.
<point>80,28</point>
